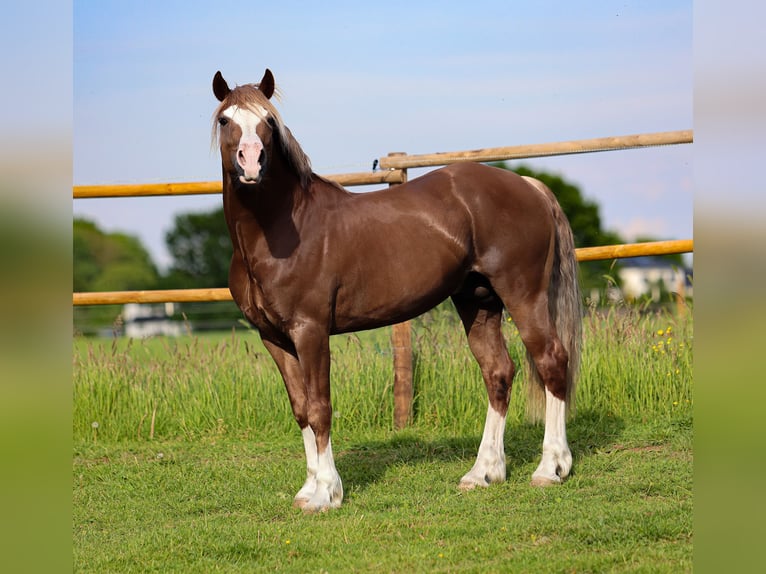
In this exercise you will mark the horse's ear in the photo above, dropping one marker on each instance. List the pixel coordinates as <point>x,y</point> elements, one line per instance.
<point>266,85</point>
<point>220,87</point>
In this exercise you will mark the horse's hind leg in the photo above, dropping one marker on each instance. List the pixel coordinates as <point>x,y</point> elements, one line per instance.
<point>551,361</point>
<point>556,462</point>
<point>482,321</point>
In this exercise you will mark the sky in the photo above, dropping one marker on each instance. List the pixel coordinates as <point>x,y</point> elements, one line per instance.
<point>362,79</point>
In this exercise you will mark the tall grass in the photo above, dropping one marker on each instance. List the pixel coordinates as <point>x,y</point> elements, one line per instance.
<point>637,365</point>
<point>634,365</point>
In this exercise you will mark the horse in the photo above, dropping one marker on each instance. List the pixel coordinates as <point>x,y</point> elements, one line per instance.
<point>311,259</point>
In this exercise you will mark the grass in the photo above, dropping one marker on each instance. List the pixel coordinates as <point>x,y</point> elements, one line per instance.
<point>195,459</point>
<point>225,506</point>
<point>633,365</point>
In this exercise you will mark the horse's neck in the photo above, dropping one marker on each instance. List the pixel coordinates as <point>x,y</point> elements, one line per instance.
<point>262,205</point>
<point>265,219</point>
<point>278,206</point>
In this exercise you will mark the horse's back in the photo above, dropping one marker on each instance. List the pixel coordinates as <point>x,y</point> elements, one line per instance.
<point>483,208</point>
<point>497,187</point>
<point>510,214</point>
<point>484,191</point>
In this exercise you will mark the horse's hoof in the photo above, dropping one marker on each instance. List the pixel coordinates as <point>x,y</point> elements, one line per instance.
<point>545,481</point>
<point>470,483</point>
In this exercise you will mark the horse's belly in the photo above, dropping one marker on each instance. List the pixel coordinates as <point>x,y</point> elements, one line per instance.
<point>390,295</point>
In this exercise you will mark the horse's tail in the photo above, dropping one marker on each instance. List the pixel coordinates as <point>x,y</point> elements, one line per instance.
<point>564,305</point>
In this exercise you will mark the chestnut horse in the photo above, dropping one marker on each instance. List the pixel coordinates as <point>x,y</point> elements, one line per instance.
<point>312,260</point>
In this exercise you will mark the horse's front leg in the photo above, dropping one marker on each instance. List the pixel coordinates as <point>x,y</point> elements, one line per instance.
<point>313,350</point>
<point>292,374</point>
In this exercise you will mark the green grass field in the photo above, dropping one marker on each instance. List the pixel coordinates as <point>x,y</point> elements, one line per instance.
<point>186,458</point>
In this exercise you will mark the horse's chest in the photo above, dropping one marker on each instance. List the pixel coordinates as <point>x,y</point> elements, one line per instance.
<point>249,295</point>
<point>261,311</point>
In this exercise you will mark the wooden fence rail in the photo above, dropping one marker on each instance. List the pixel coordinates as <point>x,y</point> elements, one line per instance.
<point>390,176</point>
<point>539,150</point>
<point>394,166</point>
<point>223,294</point>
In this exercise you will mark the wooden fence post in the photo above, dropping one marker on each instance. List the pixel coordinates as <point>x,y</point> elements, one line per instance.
<point>401,341</point>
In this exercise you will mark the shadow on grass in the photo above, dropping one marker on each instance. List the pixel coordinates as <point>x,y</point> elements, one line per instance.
<point>364,463</point>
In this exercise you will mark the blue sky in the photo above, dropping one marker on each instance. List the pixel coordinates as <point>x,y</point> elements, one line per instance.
<point>361,79</point>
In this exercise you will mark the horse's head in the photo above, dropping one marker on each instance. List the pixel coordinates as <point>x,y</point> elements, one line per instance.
<point>245,125</point>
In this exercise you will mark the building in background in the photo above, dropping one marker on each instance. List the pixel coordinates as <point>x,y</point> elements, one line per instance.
<point>141,320</point>
<point>653,276</point>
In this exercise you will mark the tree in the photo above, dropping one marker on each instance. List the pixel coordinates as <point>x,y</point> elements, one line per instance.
<point>106,262</point>
<point>85,267</point>
<point>109,261</point>
<point>201,249</point>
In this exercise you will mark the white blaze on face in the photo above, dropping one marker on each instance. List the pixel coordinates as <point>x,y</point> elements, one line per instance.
<point>250,145</point>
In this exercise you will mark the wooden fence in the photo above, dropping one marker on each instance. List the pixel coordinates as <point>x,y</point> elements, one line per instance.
<point>393,171</point>
<point>223,294</point>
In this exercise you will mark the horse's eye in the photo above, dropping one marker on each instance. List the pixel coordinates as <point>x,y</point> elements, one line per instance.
<point>222,121</point>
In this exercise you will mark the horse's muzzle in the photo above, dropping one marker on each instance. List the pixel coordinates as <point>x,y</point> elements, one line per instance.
<point>250,158</point>
<point>254,173</point>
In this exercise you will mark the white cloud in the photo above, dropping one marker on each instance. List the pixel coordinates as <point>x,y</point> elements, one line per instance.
<point>655,227</point>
